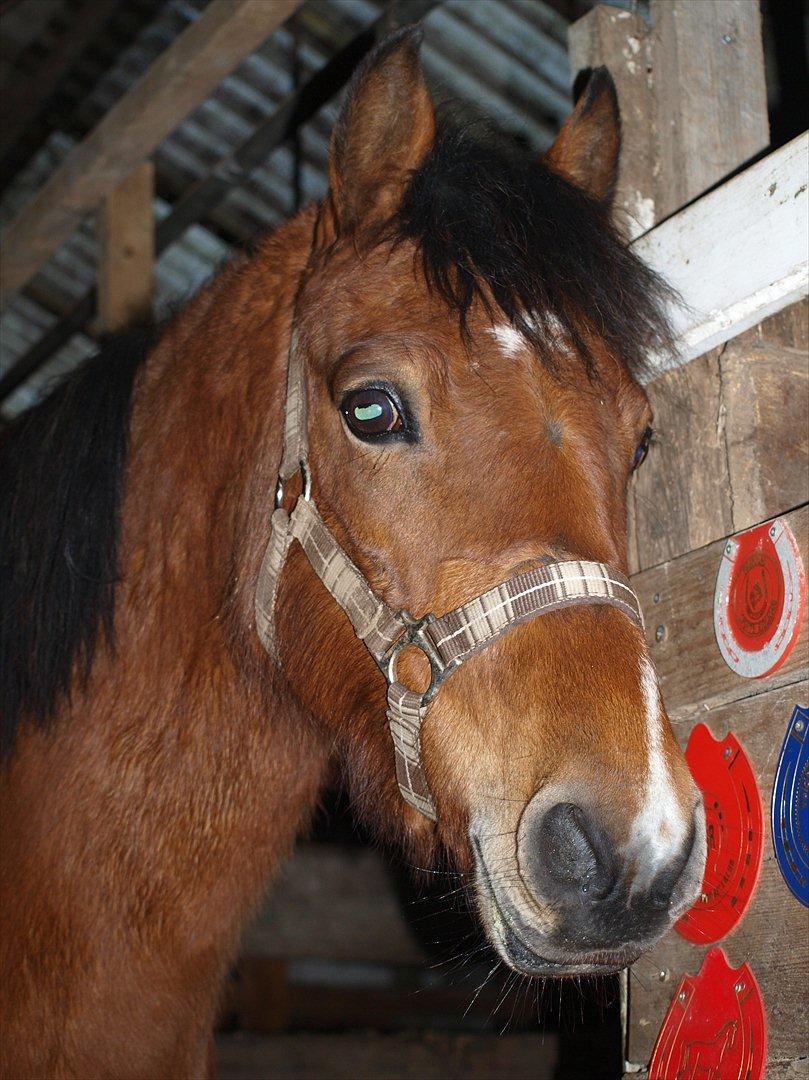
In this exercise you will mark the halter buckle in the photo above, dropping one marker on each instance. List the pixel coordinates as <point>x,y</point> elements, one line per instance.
<point>414,633</point>
<point>306,485</point>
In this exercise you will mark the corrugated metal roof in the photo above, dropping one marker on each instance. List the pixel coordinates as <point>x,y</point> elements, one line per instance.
<point>506,58</point>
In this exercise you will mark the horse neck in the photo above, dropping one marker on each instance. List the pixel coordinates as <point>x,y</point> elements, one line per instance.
<point>205,771</point>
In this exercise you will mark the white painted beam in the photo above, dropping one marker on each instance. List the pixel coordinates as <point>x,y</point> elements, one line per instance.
<point>738,254</point>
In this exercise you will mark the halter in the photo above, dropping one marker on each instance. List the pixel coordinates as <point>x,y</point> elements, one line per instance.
<point>447,641</point>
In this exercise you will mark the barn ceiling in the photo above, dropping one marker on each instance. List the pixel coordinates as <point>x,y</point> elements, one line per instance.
<point>507,58</point>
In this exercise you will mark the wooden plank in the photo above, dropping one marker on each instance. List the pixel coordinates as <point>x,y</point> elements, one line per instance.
<point>772,935</point>
<point>126,264</point>
<point>428,1056</point>
<point>183,76</point>
<point>731,442</point>
<point>681,497</point>
<point>336,903</point>
<point>677,600</point>
<point>710,96</point>
<point>621,41</point>
<point>736,255</point>
<point>766,395</point>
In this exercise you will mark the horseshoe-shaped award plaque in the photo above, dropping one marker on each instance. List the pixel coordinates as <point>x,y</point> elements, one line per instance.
<point>790,806</point>
<point>734,823</point>
<point>715,1027</point>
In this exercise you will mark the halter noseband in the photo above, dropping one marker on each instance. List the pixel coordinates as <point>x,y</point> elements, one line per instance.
<point>446,641</point>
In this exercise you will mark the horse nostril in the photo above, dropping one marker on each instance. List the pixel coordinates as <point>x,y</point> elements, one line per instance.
<point>573,851</point>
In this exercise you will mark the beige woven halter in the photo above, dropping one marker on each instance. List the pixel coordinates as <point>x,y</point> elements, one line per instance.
<point>446,641</point>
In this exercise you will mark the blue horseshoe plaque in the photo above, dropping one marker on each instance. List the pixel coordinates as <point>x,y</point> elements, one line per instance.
<point>790,806</point>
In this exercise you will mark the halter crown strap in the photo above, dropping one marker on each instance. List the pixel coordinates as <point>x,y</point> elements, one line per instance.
<point>446,641</point>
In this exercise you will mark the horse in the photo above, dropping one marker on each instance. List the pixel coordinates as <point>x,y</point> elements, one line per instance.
<point>470,328</point>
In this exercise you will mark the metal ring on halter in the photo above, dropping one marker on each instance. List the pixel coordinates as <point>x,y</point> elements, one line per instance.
<point>306,486</point>
<point>414,635</point>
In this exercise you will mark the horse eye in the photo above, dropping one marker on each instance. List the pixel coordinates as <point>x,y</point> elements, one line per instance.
<point>371,413</point>
<point>643,449</point>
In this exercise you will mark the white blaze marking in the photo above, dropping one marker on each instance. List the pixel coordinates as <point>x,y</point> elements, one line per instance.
<point>509,339</point>
<point>659,826</point>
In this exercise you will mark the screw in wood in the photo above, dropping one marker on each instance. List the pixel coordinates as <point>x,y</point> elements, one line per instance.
<point>660,633</point>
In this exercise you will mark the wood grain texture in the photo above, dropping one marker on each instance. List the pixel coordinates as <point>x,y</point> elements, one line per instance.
<point>429,1056</point>
<point>127,252</point>
<point>766,397</point>
<point>710,96</point>
<point>772,936</point>
<point>731,442</point>
<point>183,76</point>
<point>678,597</point>
<point>681,496</point>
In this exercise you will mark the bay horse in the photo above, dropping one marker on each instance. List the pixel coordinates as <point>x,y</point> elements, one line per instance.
<point>470,326</point>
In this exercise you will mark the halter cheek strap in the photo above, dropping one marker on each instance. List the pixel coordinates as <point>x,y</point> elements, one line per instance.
<point>446,641</point>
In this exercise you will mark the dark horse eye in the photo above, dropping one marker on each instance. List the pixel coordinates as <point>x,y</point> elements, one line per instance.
<point>643,448</point>
<point>371,413</point>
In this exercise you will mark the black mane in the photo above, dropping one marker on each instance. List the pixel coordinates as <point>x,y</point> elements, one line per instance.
<point>61,467</point>
<point>489,218</point>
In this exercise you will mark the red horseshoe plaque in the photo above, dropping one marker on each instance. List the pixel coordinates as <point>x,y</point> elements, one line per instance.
<point>734,823</point>
<point>759,599</point>
<point>715,1027</point>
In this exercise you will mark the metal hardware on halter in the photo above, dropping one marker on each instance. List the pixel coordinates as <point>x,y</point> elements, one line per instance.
<point>414,635</point>
<point>306,486</point>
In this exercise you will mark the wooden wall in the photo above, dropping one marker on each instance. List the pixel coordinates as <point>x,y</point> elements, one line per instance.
<point>731,453</point>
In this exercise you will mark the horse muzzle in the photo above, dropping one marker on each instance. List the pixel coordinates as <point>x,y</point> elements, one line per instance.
<point>570,902</point>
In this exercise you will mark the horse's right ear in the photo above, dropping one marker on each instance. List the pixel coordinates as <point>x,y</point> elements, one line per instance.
<point>385,130</point>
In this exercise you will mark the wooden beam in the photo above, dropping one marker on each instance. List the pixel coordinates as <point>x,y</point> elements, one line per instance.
<point>736,255</point>
<point>710,96</point>
<point>183,76</point>
<point>692,96</point>
<point>126,264</point>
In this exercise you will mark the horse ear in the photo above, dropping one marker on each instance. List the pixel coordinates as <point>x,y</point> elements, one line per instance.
<point>588,145</point>
<point>384,132</point>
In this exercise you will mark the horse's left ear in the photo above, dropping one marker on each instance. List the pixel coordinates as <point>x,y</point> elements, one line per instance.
<point>384,132</point>
<point>588,145</point>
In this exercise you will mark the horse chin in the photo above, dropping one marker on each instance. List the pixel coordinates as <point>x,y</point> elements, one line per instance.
<point>524,947</point>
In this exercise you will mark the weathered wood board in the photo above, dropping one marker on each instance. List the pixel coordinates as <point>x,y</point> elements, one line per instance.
<point>126,265</point>
<point>677,601</point>
<point>736,255</point>
<point>731,441</point>
<point>773,936</point>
